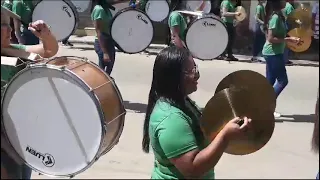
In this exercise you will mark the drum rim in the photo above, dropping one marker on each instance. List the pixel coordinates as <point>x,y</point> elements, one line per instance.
<point>188,28</point>
<point>115,17</point>
<point>163,18</point>
<point>74,10</point>
<point>85,87</point>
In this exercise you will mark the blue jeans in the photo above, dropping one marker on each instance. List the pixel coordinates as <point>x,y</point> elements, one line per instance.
<point>276,72</point>
<point>110,45</point>
<point>29,38</point>
<point>13,169</point>
<point>259,40</point>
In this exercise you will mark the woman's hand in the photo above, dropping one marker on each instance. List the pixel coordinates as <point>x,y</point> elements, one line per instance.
<point>40,29</point>
<point>235,128</point>
<point>295,40</point>
<point>106,58</point>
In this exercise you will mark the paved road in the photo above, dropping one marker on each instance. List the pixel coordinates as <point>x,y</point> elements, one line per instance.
<point>287,155</point>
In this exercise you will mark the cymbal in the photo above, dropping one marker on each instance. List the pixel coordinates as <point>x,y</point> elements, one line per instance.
<point>242,12</point>
<point>305,40</point>
<point>239,102</point>
<point>253,80</point>
<point>301,17</point>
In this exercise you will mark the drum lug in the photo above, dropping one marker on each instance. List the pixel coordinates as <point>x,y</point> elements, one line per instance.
<point>72,176</point>
<point>62,68</point>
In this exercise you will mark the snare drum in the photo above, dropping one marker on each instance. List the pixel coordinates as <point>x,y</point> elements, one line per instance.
<point>61,16</point>
<point>132,30</point>
<point>81,5</point>
<point>62,115</point>
<point>207,37</point>
<point>157,10</point>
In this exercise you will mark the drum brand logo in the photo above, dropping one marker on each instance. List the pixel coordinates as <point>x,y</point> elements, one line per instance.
<point>206,23</point>
<point>65,8</point>
<point>47,159</point>
<point>139,16</point>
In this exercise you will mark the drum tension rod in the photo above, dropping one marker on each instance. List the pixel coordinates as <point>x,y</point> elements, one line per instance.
<point>92,89</point>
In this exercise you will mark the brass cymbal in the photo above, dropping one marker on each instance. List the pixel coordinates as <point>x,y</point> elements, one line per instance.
<point>305,40</point>
<point>253,80</point>
<point>301,18</point>
<point>239,102</point>
<point>242,15</point>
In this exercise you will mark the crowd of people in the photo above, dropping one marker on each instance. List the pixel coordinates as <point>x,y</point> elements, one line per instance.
<point>170,112</point>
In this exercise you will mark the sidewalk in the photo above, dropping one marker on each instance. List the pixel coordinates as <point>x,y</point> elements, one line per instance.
<point>153,49</point>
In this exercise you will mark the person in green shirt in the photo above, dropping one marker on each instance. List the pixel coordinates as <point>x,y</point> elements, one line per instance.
<point>8,4</point>
<point>287,11</point>
<point>228,14</point>
<point>24,9</point>
<point>104,44</point>
<point>10,163</point>
<point>259,36</point>
<point>274,47</point>
<point>178,26</point>
<point>171,124</point>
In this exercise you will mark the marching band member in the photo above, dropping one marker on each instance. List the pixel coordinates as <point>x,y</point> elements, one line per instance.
<point>273,49</point>
<point>8,4</point>
<point>259,36</point>
<point>24,8</point>
<point>104,44</point>
<point>10,163</point>
<point>172,121</point>
<point>287,11</point>
<point>227,15</point>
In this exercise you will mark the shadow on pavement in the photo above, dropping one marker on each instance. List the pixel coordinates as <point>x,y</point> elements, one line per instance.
<point>136,107</point>
<point>297,118</point>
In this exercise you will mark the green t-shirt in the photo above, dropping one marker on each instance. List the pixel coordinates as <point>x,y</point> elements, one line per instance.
<point>99,13</point>
<point>24,9</point>
<point>230,8</point>
<point>7,72</point>
<point>166,123</point>
<point>176,19</point>
<point>288,9</point>
<point>142,5</point>
<point>260,11</point>
<point>278,28</point>
<point>7,4</point>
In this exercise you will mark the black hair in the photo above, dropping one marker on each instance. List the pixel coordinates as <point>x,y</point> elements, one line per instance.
<point>167,83</point>
<point>273,7</point>
<point>315,135</point>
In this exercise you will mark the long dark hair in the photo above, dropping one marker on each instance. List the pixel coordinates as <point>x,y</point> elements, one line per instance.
<point>105,5</point>
<point>273,7</point>
<point>315,136</point>
<point>167,84</point>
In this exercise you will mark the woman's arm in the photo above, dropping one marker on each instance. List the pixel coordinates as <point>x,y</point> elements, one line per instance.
<point>98,26</point>
<point>225,13</point>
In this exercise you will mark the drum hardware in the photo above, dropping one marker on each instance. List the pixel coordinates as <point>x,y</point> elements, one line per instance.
<point>241,98</point>
<point>103,118</point>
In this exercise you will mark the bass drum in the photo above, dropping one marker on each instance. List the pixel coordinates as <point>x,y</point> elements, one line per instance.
<point>157,10</point>
<point>203,34</point>
<point>60,15</point>
<point>132,30</point>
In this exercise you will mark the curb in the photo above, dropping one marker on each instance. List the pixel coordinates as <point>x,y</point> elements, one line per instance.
<point>307,63</point>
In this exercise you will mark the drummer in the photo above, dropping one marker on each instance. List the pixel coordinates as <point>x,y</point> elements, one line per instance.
<point>10,163</point>
<point>171,114</point>
<point>228,15</point>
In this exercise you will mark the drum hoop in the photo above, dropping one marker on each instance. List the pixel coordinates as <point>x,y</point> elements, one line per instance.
<point>74,10</point>
<point>115,17</point>
<point>90,93</point>
<point>167,13</point>
<point>199,20</point>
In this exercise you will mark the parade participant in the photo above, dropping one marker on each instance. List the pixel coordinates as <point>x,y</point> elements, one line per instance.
<point>227,15</point>
<point>178,25</point>
<point>8,4</point>
<point>287,11</point>
<point>170,113</point>
<point>104,44</point>
<point>10,163</point>
<point>273,49</point>
<point>24,8</point>
<point>259,36</point>
<point>315,135</point>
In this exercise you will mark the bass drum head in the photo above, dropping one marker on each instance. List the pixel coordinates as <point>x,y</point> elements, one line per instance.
<point>61,16</point>
<point>132,30</point>
<point>207,38</point>
<point>157,10</point>
<point>45,125</point>
<point>81,5</point>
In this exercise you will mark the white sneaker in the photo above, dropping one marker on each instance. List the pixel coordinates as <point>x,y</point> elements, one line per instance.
<point>276,115</point>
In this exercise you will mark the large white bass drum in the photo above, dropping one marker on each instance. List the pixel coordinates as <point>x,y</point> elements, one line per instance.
<point>157,10</point>
<point>60,15</point>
